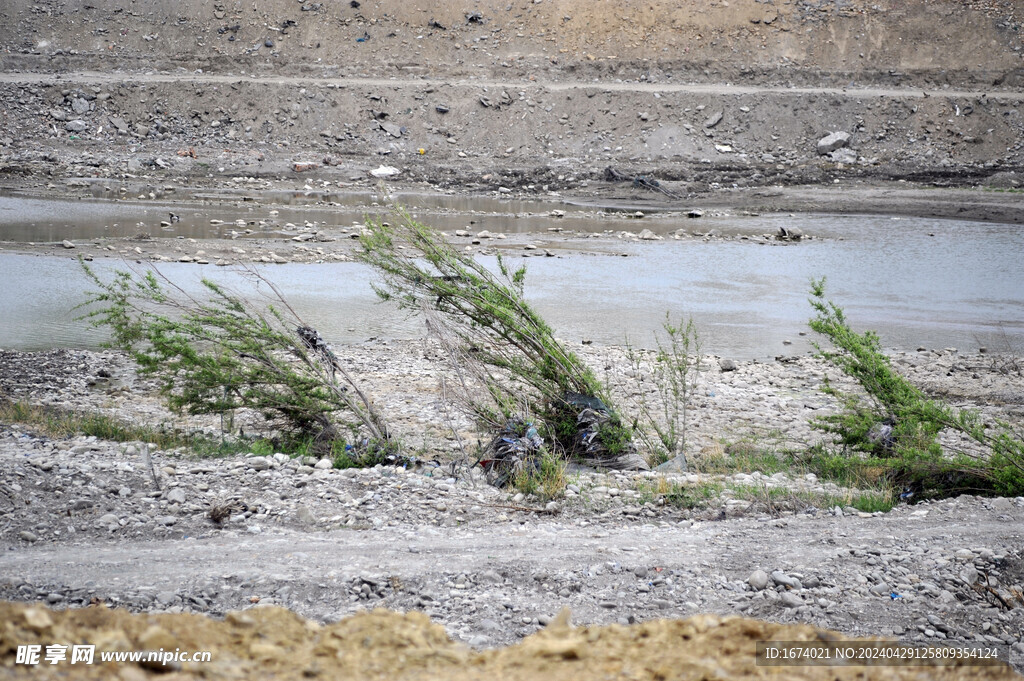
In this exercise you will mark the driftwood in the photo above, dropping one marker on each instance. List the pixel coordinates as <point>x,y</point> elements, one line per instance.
<point>612,175</point>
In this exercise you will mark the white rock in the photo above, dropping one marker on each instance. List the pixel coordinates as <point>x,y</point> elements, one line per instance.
<point>832,141</point>
<point>758,580</point>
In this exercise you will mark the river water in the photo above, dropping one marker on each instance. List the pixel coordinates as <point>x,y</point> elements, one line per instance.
<point>918,282</point>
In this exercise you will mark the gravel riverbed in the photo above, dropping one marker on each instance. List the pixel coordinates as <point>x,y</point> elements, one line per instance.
<point>85,520</point>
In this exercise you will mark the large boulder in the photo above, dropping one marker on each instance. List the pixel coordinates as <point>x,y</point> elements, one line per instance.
<point>833,141</point>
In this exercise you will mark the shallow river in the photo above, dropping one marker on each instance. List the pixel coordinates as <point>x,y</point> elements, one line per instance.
<point>918,282</point>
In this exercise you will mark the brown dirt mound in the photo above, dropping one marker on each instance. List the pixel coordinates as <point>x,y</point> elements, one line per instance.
<point>273,643</point>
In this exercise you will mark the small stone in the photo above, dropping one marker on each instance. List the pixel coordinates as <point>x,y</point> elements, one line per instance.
<point>970,575</point>
<point>259,463</point>
<point>67,244</point>
<point>713,120</point>
<point>676,464</point>
<point>490,577</point>
<point>25,535</point>
<point>166,598</point>
<point>305,516</point>
<point>833,141</point>
<point>790,233</point>
<point>758,580</point>
<point>166,520</point>
<point>782,579</point>
<point>37,618</point>
<point>385,171</point>
<point>324,464</point>
<point>790,600</point>
<point>176,496</point>
<point>1002,505</point>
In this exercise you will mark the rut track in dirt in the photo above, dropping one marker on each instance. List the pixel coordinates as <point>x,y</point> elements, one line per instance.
<point>97,78</point>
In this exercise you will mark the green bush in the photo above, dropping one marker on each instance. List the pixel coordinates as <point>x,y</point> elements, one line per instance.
<point>894,422</point>
<point>510,364</point>
<point>221,353</point>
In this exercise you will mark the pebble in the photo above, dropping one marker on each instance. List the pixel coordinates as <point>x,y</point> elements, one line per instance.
<point>758,580</point>
<point>782,579</point>
<point>881,589</point>
<point>970,575</point>
<point>790,600</point>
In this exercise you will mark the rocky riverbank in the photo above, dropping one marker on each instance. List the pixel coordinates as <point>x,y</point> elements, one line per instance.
<point>87,520</point>
<point>768,404</point>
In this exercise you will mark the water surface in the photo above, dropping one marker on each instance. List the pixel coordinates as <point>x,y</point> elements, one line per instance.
<point>918,282</point>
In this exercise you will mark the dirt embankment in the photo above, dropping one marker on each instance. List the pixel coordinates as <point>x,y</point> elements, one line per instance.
<point>274,643</point>
<point>534,95</point>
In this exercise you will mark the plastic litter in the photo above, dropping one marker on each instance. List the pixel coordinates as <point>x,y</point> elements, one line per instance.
<point>515,448</point>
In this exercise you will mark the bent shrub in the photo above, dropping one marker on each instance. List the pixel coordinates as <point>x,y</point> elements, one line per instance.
<point>220,353</point>
<point>510,364</point>
<point>894,422</point>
